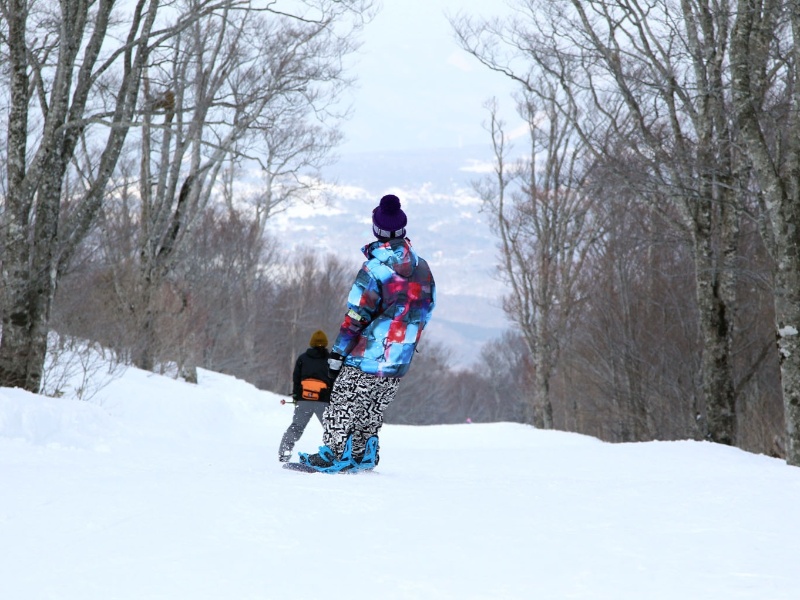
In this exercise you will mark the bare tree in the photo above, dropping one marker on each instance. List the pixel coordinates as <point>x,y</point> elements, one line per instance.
<point>422,395</point>
<point>74,70</point>
<point>652,75</point>
<point>509,372</point>
<point>73,79</point>
<point>310,289</point>
<point>57,63</point>
<point>631,364</point>
<point>239,87</point>
<point>543,217</point>
<point>765,61</point>
<point>224,303</point>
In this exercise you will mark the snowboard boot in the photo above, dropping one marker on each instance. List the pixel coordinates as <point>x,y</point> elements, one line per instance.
<point>370,458</point>
<point>325,460</point>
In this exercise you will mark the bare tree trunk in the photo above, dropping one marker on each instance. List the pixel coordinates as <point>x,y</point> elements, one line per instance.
<point>716,330</point>
<point>774,149</point>
<point>36,247</point>
<point>543,405</point>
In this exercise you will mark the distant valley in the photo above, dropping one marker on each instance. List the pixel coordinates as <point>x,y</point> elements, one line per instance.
<point>445,225</point>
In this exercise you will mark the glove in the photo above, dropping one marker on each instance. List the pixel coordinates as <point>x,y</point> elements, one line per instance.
<point>334,365</point>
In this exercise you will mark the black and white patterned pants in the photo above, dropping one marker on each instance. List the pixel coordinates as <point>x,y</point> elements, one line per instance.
<point>357,404</point>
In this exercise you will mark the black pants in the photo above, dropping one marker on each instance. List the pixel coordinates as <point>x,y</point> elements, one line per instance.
<point>303,411</point>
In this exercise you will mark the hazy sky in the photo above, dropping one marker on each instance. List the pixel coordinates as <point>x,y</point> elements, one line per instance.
<point>416,88</point>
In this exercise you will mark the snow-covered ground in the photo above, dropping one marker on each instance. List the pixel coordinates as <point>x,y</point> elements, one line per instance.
<point>158,489</point>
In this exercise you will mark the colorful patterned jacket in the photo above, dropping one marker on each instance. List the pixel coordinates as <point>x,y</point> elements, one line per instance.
<point>389,305</point>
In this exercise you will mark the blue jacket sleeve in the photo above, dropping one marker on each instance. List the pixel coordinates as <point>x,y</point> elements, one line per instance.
<point>363,305</point>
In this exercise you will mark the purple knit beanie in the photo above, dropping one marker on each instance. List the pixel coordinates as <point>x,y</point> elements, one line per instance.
<point>388,220</point>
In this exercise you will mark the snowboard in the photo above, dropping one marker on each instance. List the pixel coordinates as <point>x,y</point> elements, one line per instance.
<point>296,466</point>
<point>303,468</point>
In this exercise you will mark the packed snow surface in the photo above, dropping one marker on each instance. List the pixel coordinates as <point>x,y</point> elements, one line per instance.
<point>159,489</point>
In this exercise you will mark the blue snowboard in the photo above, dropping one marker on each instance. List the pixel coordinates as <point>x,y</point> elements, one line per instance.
<point>296,466</point>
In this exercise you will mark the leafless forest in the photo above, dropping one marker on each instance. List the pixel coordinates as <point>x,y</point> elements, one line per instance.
<point>648,232</point>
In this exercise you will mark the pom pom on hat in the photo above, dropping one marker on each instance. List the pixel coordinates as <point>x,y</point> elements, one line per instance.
<point>318,339</point>
<point>388,219</point>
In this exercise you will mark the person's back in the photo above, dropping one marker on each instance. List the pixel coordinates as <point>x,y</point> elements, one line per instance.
<point>310,380</point>
<point>403,283</point>
<point>311,389</point>
<point>389,305</point>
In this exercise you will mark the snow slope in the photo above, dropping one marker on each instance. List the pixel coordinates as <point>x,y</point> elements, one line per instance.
<point>158,489</point>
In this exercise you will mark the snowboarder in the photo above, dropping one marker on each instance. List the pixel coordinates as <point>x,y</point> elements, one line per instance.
<point>388,307</point>
<point>310,391</point>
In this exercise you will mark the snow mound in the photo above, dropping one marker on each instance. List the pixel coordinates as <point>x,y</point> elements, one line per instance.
<point>53,422</point>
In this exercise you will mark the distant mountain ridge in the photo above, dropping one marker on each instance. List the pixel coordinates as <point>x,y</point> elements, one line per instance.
<point>445,225</point>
